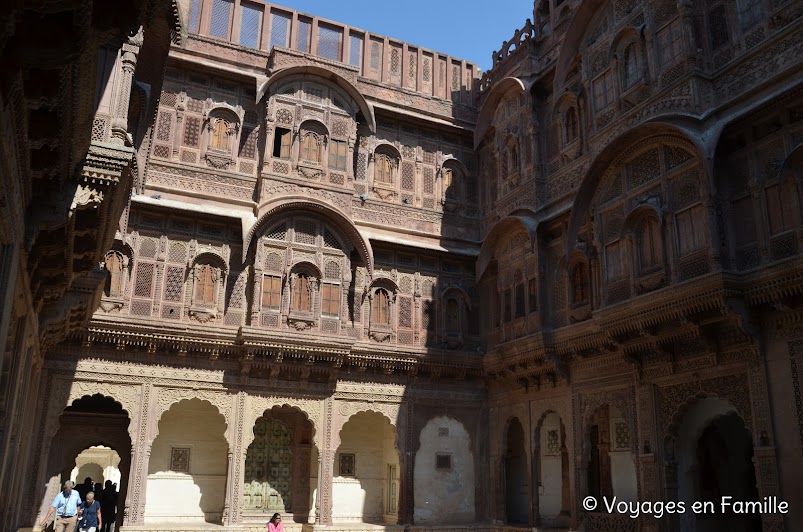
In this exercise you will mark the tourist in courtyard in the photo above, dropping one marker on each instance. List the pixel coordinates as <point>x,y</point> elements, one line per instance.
<point>275,523</point>
<point>65,505</point>
<point>108,506</point>
<point>84,488</point>
<point>90,520</point>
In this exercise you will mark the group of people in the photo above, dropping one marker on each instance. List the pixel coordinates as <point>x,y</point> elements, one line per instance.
<point>86,508</point>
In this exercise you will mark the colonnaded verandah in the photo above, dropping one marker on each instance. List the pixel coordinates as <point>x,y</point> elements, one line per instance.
<point>254,261</point>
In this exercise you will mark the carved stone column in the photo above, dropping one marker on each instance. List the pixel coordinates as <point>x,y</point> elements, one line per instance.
<point>406,508</point>
<point>326,459</point>
<point>128,60</point>
<point>140,457</point>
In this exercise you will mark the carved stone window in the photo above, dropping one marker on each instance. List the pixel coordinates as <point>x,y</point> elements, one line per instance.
<point>220,133</point>
<point>718,31</point>
<point>603,90</point>
<point>519,300</point>
<point>580,284</point>
<point>690,230</point>
<point>115,265</point>
<point>631,66</point>
<point>533,294</point>
<point>443,461</point>
<point>750,13</point>
<point>380,307</point>
<point>330,300</point>
<point>346,465</point>
<point>302,295</point>
<point>452,316</point>
<point>338,155</point>
<point>311,146</point>
<point>779,208</point>
<point>206,284</point>
<point>508,304</point>
<point>649,245</point>
<point>271,293</point>
<point>670,44</point>
<point>384,168</point>
<point>571,126</point>
<point>281,143</point>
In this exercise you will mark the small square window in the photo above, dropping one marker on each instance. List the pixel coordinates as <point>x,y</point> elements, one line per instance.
<point>443,431</point>
<point>443,462</point>
<point>346,465</point>
<point>180,460</point>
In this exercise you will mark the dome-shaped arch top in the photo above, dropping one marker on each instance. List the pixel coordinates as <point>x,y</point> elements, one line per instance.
<point>488,109</point>
<point>502,227</point>
<point>271,211</point>
<point>614,154</point>
<point>320,73</point>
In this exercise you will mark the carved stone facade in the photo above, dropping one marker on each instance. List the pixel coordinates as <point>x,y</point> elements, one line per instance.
<point>360,284</point>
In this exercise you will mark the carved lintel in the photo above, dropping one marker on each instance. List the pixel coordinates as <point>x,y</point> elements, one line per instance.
<point>219,161</point>
<point>203,315</point>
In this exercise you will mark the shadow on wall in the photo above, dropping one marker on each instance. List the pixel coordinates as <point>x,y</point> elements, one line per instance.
<point>187,469</point>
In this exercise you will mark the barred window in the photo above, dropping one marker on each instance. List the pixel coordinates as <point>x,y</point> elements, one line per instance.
<point>751,12</point>
<point>670,44</point>
<point>384,169</point>
<point>650,245</point>
<point>311,148</point>
<point>338,155</point>
<point>571,125</point>
<point>281,143</point>
<point>380,307</point>
<point>302,293</point>
<point>220,135</point>
<point>580,284</point>
<point>718,26</point>
<point>452,316</point>
<point>219,23</point>
<point>271,293</point>
<point>250,19</point>
<point>280,29</point>
<point>205,285</point>
<point>603,91</point>
<point>330,300</point>
<point>114,281</point>
<point>631,66</point>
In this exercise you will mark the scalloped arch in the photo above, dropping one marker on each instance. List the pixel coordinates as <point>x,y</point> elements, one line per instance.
<point>488,110</point>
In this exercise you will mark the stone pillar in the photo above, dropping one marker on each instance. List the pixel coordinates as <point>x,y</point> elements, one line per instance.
<point>232,506</point>
<point>326,459</point>
<point>128,59</point>
<point>646,464</point>
<point>134,511</point>
<point>406,506</point>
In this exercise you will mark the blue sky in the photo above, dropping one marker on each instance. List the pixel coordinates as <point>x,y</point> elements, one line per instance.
<point>468,29</point>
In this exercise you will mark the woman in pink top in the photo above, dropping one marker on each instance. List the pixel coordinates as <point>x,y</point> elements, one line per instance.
<point>275,523</point>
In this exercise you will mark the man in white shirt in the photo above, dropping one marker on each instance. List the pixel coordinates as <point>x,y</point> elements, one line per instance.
<point>66,507</point>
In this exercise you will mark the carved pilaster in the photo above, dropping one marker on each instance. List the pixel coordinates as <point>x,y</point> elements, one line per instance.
<point>128,60</point>
<point>326,459</point>
<point>140,458</point>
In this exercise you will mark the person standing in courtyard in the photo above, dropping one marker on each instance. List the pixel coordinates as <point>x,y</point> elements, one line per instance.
<point>65,505</point>
<point>275,523</point>
<point>108,506</point>
<point>91,519</point>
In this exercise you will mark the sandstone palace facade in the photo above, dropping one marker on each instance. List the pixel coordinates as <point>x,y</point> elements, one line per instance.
<point>254,261</point>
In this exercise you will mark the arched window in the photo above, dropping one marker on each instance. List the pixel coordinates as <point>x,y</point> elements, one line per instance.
<point>649,243</point>
<point>114,281</point>
<point>383,170</point>
<point>311,148</point>
<point>571,125</point>
<point>631,74</point>
<point>452,316</point>
<point>206,278</point>
<point>579,284</point>
<point>302,293</point>
<point>514,159</point>
<point>221,130</point>
<point>380,307</point>
<point>451,182</point>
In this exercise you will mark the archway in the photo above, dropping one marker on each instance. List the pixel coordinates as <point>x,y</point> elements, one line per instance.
<point>85,426</point>
<point>444,474</point>
<point>99,462</point>
<point>609,456</point>
<point>516,485</point>
<point>187,469</point>
<point>552,472</point>
<point>279,466</point>
<point>714,457</point>
<point>365,487</point>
